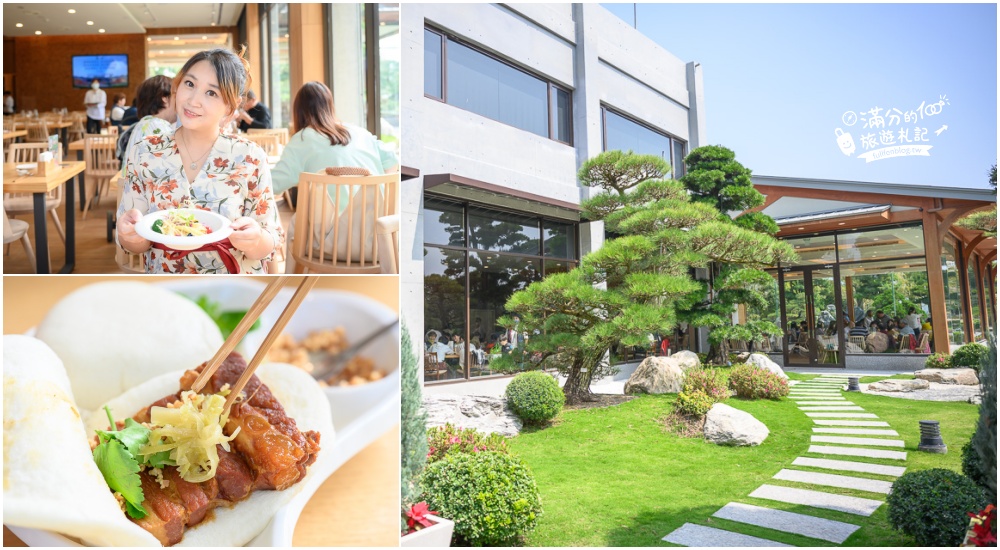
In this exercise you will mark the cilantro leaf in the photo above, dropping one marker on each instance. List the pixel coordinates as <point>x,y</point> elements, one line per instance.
<point>225,320</point>
<point>159,460</point>
<point>121,472</point>
<point>133,436</point>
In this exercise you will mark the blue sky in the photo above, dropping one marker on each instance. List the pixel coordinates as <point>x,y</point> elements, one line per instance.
<point>780,78</point>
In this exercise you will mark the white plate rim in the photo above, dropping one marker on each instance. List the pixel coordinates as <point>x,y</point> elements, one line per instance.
<point>144,228</point>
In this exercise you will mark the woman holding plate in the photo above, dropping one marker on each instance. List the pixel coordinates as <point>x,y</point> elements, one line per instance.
<point>197,167</point>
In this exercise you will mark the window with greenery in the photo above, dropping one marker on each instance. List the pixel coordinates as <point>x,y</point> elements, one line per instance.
<point>954,305</point>
<point>974,298</point>
<point>389,56</point>
<point>466,77</point>
<point>481,256</point>
<point>276,90</point>
<point>622,133</point>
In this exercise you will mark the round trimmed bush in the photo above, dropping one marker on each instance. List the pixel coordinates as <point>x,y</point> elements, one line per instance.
<point>970,355</point>
<point>535,397</point>
<point>448,439</point>
<point>491,497</point>
<point>694,403</point>
<point>932,506</point>
<point>938,361</point>
<point>752,382</point>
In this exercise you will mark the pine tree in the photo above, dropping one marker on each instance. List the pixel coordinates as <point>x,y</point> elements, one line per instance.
<point>413,422</point>
<point>984,440</point>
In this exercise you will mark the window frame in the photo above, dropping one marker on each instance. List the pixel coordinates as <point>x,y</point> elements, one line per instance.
<point>550,94</point>
<point>674,140</point>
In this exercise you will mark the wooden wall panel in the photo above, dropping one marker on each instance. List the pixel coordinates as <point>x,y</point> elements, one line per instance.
<point>44,68</point>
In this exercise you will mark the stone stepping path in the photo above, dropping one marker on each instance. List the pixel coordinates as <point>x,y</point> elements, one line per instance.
<point>789,522</point>
<point>834,480</point>
<point>858,423</point>
<point>849,466</point>
<point>858,441</point>
<point>839,415</point>
<point>854,431</point>
<point>816,499</point>
<point>857,451</point>
<point>699,536</point>
<point>821,400</point>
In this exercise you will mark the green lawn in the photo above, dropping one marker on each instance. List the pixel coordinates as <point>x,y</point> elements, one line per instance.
<point>616,477</point>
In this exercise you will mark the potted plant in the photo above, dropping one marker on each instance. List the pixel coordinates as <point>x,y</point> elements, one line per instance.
<point>419,527</point>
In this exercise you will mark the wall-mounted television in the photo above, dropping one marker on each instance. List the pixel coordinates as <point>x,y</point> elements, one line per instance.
<point>110,70</point>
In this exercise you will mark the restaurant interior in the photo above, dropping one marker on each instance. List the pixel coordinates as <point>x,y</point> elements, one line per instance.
<point>60,216</point>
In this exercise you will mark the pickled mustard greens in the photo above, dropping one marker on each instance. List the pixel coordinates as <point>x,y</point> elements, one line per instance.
<point>180,224</point>
<point>188,431</point>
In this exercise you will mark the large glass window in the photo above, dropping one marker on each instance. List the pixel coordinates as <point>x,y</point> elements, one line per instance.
<point>277,92</point>
<point>894,288</point>
<point>893,242</point>
<point>466,77</point>
<point>812,250</point>
<point>505,253</point>
<point>954,305</point>
<point>974,298</point>
<point>624,134</point>
<point>389,56</point>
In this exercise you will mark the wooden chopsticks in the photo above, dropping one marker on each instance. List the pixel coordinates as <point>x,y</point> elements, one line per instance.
<point>252,314</point>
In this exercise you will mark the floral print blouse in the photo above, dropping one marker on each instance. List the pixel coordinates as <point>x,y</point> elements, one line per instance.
<point>235,181</point>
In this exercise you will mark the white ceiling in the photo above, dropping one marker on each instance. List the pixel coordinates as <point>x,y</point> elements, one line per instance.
<point>55,19</point>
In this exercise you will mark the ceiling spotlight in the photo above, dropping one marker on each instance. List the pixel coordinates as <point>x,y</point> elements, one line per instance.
<point>204,38</point>
<point>842,223</point>
<point>213,23</point>
<point>100,30</point>
<point>90,22</point>
<point>71,10</point>
<point>19,25</point>
<point>801,228</point>
<point>177,38</point>
<point>38,32</point>
<point>150,39</point>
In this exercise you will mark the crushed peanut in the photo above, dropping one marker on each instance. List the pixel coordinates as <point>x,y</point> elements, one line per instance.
<point>359,370</point>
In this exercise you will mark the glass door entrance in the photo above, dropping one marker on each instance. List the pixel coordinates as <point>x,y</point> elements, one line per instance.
<point>812,316</point>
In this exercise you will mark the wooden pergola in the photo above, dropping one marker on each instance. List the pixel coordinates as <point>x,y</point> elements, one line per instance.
<point>937,208</point>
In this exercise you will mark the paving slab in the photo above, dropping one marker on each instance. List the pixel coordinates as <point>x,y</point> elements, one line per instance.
<point>789,522</point>
<point>699,536</point>
<point>830,402</point>
<point>817,499</point>
<point>794,391</point>
<point>817,398</point>
<point>849,466</point>
<point>831,407</point>
<point>840,415</point>
<point>855,431</point>
<point>868,423</point>
<point>858,441</point>
<point>834,480</point>
<point>856,451</point>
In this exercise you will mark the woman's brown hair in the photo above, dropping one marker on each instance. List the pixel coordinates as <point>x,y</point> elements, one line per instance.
<point>313,108</point>
<point>118,97</point>
<point>232,70</point>
<point>149,96</point>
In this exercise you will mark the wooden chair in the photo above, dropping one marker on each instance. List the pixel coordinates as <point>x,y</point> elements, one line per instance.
<point>38,131</point>
<point>79,128</point>
<point>904,343</point>
<point>857,341</point>
<point>432,367</point>
<point>17,230</point>
<point>101,167</point>
<point>338,235</point>
<point>387,230</point>
<point>23,203</point>
<point>282,133</point>
<point>924,343</point>
<point>268,142</point>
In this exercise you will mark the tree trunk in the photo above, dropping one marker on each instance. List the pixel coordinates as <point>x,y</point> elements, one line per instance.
<point>718,354</point>
<point>577,387</point>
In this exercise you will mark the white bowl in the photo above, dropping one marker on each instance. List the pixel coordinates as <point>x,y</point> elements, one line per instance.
<point>361,414</point>
<point>217,223</point>
<point>26,169</point>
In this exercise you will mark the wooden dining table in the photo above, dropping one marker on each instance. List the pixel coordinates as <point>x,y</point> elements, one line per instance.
<point>38,186</point>
<point>14,134</point>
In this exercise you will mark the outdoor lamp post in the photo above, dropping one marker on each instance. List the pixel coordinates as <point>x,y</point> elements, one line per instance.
<point>930,437</point>
<point>852,384</point>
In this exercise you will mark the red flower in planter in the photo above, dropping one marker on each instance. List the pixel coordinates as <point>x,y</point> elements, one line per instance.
<point>416,517</point>
<point>982,527</point>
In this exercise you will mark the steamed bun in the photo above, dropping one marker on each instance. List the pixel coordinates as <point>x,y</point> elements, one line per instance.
<point>115,335</point>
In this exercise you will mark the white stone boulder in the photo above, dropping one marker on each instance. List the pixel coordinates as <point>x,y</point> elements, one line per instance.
<point>485,414</point>
<point>725,425</point>
<point>764,362</point>
<point>960,376</point>
<point>661,374</point>
<point>899,385</point>
<point>687,359</point>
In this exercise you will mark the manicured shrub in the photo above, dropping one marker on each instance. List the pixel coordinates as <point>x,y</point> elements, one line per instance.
<point>694,403</point>
<point>491,497</point>
<point>938,361</point>
<point>972,465</point>
<point>447,439</point>
<point>970,355</point>
<point>535,397</point>
<point>413,423</point>
<point>751,382</point>
<point>984,440</point>
<point>932,506</point>
<point>712,382</point>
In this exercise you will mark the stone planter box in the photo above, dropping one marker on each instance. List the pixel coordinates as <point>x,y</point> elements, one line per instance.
<point>437,535</point>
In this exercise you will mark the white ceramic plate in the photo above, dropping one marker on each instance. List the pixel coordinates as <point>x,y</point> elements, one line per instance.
<point>361,414</point>
<point>26,169</point>
<point>217,223</point>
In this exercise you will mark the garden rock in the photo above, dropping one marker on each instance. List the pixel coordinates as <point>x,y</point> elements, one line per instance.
<point>485,414</point>
<point>660,374</point>
<point>762,361</point>
<point>742,356</point>
<point>725,425</point>
<point>960,376</point>
<point>899,385</point>
<point>687,359</point>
